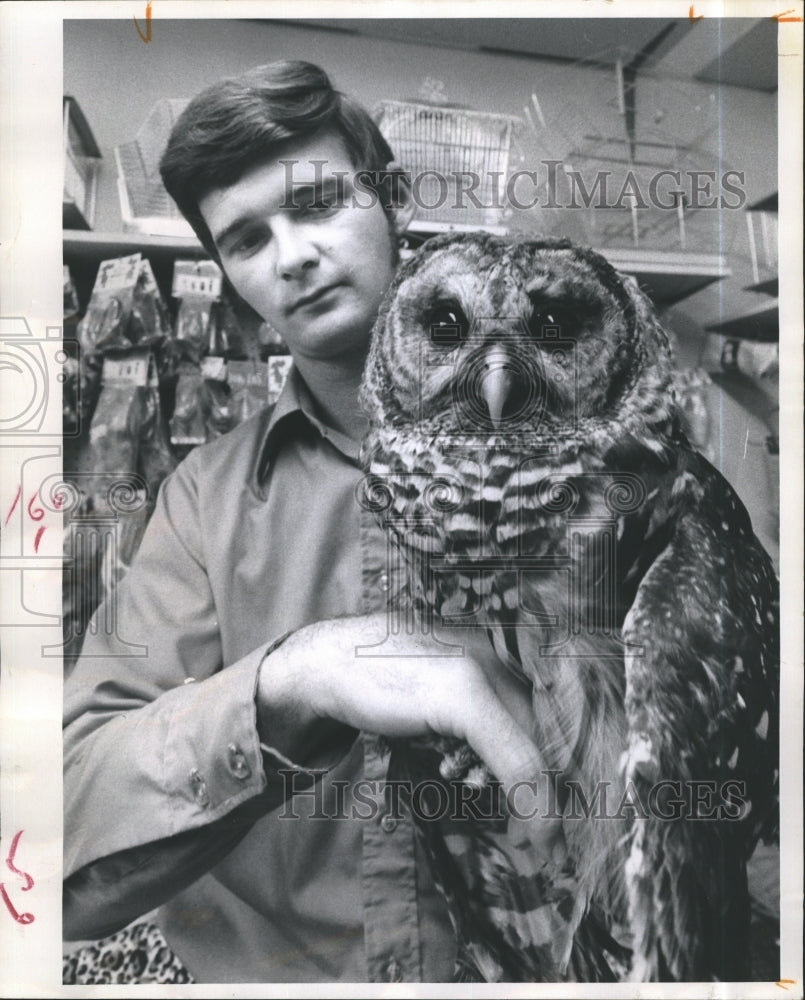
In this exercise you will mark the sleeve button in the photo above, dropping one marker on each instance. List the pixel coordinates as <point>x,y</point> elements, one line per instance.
<point>199,786</point>
<point>238,764</point>
<point>388,823</point>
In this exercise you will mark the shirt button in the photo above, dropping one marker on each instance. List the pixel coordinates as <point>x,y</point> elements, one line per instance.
<point>199,788</point>
<point>389,825</point>
<point>384,582</point>
<point>238,764</point>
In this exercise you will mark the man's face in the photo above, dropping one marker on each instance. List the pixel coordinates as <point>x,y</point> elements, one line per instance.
<point>316,272</point>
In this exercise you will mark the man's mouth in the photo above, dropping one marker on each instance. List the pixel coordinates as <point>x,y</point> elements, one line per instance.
<point>312,297</point>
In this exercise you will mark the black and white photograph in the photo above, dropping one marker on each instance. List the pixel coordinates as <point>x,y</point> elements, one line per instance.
<point>401,520</point>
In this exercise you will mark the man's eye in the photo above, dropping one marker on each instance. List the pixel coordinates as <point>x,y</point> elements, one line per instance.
<point>447,325</point>
<point>322,206</point>
<point>248,243</point>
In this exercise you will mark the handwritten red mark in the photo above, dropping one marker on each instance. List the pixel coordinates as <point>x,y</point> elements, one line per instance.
<point>783,19</point>
<point>35,512</point>
<point>147,36</point>
<point>694,17</point>
<point>21,918</point>
<point>13,506</point>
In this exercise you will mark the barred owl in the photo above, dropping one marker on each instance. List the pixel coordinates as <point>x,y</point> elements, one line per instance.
<point>526,457</point>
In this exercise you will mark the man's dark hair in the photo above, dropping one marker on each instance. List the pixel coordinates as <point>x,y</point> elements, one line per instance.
<point>239,123</point>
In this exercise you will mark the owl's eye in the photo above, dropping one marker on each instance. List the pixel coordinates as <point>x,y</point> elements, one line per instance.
<point>547,319</point>
<point>447,325</point>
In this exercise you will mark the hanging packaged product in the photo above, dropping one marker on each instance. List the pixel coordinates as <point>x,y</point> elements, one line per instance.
<point>126,436</point>
<point>213,397</point>
<point>97,555</point>
<point>125,310</point>
<point>203,408</point>
<point>269,341</point>
<point>197,286</point>
<point>187,425</point>
<point>218,415</point>
<point>248,389</point>
<point>114,434</point>
<point>71,305</point>
<point>234,341</point>
<point>156,461</point>
<point>72,396</point>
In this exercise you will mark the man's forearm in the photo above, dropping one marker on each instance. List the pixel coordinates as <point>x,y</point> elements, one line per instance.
<point>149,843</point>
<point>104,896</point>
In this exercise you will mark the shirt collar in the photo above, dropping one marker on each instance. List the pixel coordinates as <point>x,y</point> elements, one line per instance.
<point>293,411</point>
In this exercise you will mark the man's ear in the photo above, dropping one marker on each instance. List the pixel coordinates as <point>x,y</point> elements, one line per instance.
<point>403,207</point>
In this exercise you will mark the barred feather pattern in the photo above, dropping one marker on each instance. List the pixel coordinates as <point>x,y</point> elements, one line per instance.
<point>611,567</point>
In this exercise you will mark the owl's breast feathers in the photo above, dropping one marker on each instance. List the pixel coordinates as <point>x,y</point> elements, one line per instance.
<point>504,505</point>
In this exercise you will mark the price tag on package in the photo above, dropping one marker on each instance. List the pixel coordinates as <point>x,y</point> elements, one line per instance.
<point>200,279</point>
<point>134,369</point>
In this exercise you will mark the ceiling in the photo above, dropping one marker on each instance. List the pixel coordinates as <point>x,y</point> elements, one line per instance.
<point>737,51</point>
<point>750,61</point>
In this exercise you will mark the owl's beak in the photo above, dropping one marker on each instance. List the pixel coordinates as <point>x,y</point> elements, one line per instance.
<point>497,383</point>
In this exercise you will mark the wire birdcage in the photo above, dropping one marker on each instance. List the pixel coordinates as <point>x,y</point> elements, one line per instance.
<point>145,205</point>
<point>458,160</point>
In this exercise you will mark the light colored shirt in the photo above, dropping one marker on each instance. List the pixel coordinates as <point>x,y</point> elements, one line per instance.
<point>169,798</point>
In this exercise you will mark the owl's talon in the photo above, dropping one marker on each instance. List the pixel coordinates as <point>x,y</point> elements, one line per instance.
<point>461,764</point>
<point>451,768</point>
<point>477,776</point>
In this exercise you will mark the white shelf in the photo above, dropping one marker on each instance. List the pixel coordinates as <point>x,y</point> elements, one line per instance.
<point>101,246</point>
<point>424,229</point>
<point>771,286</point>
<point>667,277</point>
<point>761,323</point>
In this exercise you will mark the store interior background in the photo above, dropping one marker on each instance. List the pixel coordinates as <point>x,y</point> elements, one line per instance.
<point>710,86</point>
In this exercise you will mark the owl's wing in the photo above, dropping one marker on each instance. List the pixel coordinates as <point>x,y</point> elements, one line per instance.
<point>675,714</point>
<point>702,707</point>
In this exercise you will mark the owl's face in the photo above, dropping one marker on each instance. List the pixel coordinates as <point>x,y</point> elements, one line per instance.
<point>480,334</point>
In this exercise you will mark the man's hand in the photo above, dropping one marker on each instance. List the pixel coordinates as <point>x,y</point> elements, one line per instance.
<point>315,678</point>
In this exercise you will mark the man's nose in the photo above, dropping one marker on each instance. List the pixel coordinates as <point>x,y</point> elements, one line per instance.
<point>296,252</point>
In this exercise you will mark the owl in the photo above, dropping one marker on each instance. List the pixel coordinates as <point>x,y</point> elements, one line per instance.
<point>527,459</point>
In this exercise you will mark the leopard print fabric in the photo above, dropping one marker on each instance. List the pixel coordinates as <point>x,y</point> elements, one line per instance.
<point>137,954</point>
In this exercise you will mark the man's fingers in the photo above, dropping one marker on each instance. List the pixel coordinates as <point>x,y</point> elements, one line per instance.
<point>513,689</point>
<point>496,736</point>
<point>517,762</point>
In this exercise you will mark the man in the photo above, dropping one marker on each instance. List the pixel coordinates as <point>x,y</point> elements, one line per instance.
<point>258,593</point>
